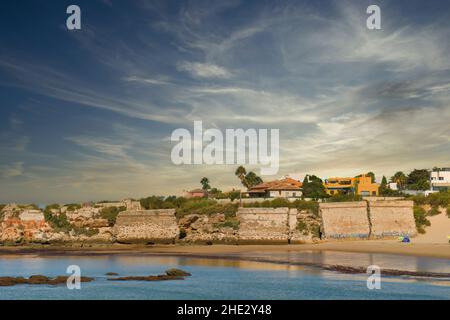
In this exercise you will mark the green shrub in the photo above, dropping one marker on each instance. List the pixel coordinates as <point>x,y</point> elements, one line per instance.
<point>183,233</point>
<point>58,222</point>
<point>302,227</point>
<point>85,231</point>
<point>438,199</point>
<point>229,223</point>
<point>448,211</point>
<point>420,216</point>
<point>206,207</point>
<point>73,206</point>
<point>340,197</point>
<point>111,213</point>
<point>433,211</point>
<point>311,206</point>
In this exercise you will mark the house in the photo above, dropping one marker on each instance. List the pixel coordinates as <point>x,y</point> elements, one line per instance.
<point>440,179</point>
<point>361,185</point>
<point>284,188</point>
<point>196,193</point>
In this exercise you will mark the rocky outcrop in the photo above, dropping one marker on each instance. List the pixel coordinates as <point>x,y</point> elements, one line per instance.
<point>216,228</point>
<point>146,226</point>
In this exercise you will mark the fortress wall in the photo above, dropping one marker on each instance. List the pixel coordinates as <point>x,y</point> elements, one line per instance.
<point>344,220</point>
<point>392,218</point>
<point>263,225</point>
<point>155,226</point>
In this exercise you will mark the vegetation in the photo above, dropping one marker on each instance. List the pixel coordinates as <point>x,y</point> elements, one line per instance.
<point>313,188</point>
<point>419,180</point>
<point>400,178</point>
<point>73,206</point>
<point>89,232</point>
<point>438,199</point>
<point>448,211</point>
<point>230,223</point>
<point>420,216</point>
<point>184,206</point>
<point>249,179</point>
<point>59,221</point>
<point>205,184</point>
<point>302,227</point>
<point>341,197</point>
<point>311,206</point>
<point>111,213</point>
<point>433,211</point>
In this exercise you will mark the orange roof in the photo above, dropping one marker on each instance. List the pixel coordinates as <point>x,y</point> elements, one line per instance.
<point>284,184</point>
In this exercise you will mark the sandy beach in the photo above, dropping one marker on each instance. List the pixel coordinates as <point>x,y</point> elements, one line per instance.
<point>368,246</point>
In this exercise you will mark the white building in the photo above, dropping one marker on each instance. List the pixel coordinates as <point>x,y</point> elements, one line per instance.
<point>393,185</point>
<point>440,179</point>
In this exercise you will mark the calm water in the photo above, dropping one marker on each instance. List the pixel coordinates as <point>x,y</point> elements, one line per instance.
<point>227,279</point>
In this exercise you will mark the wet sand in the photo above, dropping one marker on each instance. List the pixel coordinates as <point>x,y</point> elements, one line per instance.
<point>438,250</point>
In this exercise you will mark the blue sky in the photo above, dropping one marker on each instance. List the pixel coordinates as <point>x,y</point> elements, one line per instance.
<point>87,114</point>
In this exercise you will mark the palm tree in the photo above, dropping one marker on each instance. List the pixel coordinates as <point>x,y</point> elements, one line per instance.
<point>241,173</point>
<point>205,183</point>
<point>399,178</point>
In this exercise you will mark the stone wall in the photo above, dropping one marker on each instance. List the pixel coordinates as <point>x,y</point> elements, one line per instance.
<point>367,219</point>
<point>392,219</point>
<point>263,225</point>
<point>146,226</point>
<point>344,220</point>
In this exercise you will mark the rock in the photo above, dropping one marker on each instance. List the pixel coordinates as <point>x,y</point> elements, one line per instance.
<point>38,279</point>
<point>111,274</point>
<point>177,272</point>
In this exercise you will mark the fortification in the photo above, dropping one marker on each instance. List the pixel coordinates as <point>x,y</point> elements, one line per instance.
<point>392,219</point>
<point>146,226</point>
<point>263,225</point>
<point>344,220</point>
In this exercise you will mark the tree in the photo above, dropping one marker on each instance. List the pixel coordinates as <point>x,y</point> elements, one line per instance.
<point>372,175</point>
<point>240,173</point>
<point>249,179</point>
<point>383,186</point>
<point>205,183</point>
<point>313,187</point>
<point>400,178</point>
<point>418,179</point>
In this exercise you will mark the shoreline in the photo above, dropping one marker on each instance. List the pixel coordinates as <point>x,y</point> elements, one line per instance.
<point>247,253</point>
<point>357,246</point>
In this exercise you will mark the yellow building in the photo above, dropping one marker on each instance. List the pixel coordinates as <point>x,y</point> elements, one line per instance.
<point>361,185</point>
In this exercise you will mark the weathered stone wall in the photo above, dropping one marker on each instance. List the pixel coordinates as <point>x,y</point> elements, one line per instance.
<point>344,220</point>
<point>392,218</point>
<point>368,219</point>
<point>148,226</point>
<point>263,225</point>
<point>207,229</point>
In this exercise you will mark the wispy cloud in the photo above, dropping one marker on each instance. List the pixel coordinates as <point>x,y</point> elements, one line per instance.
<point>204,70</point>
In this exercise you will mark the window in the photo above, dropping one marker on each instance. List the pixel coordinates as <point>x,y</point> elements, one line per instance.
<point>374,193</point>
<point>441,178</point>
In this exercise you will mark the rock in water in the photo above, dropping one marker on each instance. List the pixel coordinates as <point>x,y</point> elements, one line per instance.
<point>177,273</point>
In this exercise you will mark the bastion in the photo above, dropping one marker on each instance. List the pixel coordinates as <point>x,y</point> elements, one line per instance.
<point>146,226</point>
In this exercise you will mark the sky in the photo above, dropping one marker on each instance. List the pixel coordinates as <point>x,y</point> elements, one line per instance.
<point>87,114</point>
